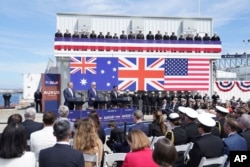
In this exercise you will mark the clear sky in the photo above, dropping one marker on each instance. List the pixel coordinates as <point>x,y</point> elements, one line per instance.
<point>27,27</point>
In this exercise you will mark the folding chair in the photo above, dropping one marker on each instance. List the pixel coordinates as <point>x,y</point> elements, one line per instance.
<point>112,158</point>
<point>185,148</point>
<point>213,161</point>
<point>91,158</point>
<point>154,140</point>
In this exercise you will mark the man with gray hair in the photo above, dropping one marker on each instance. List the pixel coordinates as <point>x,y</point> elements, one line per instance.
<point>29,124</point>
<point>63,112</point>
<point>244,123</point>
<point>138,116</point>
<point>61,154</point>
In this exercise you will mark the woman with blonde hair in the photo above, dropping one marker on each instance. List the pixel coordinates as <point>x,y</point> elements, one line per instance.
<point>141,154</point>
<point>158,126</point>
<point>86,140</point>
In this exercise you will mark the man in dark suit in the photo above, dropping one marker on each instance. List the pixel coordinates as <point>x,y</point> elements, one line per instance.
<point>61,154</point>
<point>92,96</point>
<point>113,97</point>
<point>69,94</point>
<point>38,100</point>
<point>29,124</point>
<point>207,145</point>
<point>138,116</point>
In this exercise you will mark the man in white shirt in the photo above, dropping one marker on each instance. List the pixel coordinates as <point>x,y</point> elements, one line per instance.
<point>43,138</point>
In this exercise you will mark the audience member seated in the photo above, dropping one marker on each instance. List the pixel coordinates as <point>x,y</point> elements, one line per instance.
<point>166,36</point>
<point>157,127</point>
<point>92,35</point>
<point>164,153</point>
<point>67,34</point>
<point>116,135</point>
<point>131,35</point>
<point>197,37</point>
<point>75,35</point>
<point>115,36</point>
<point>86,140</point>
<point>206,37</point>
<point>244,123</point>
<point>13,144</point>
<point>138,116</point>
<point>100,36</point>
<point>207,145</point>
<point>221,114</point>
<point>29,124</point>
<point>158,36</point>
<point>61,154</point>
<point>189,37</point>
<point>173,36</point>
<point>15,118</point>
<point>140,151</point>
<point>43,138</point>
<point>108,36</point>
<point>215,37</point>
<point>140,35</point>
<point>63,113</point>
<point>123,35</point>
<point>150,36</point>
<point>58,34</point>
<point>93,114</point>
<point>181,38</point>
<point>84,34</point>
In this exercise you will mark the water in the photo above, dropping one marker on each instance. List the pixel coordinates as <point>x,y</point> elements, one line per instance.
<point>15,98</point>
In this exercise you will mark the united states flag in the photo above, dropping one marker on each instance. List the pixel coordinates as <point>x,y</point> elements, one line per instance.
<point>186,74</point>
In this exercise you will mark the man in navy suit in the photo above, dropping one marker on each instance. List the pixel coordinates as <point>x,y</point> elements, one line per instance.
<point>61,154</point>
<point>138,116</point>
<point>92,96</point>
<point>69,94</point>
<point>114,96</point>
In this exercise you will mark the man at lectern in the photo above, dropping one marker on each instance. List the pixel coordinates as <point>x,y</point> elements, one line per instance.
<point>92,95</point>
<point>69,94</point>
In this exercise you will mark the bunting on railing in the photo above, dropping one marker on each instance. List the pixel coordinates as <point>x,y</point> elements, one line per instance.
<point>225,86</point>
<point>243,85</point>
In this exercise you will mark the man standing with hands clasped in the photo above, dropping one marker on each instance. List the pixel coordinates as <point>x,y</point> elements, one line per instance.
<point>69,94</point>
<point>92,96</point>
<point>38,100</point>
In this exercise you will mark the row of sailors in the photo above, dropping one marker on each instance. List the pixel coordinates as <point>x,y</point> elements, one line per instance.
<point>140,35</point>
<point>213,133</point>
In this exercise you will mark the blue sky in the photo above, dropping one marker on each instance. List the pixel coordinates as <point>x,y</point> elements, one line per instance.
<point>27,27</point>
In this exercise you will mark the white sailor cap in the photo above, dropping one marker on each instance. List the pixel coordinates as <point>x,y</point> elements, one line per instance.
<point>205,120</point>
<point>182,109</point>
<point>200,111</point>
<point>222,109</point>
<point>191,113</point>
<point>173,116</point>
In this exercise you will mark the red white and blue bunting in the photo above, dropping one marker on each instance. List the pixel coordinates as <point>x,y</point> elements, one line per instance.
<point>243,85</point>
<point>225,86</point>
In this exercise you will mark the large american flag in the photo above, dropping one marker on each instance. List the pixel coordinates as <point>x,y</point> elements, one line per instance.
<point>186,74</point>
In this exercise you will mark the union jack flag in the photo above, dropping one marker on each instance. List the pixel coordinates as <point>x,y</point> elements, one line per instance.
<point>83,64</point>
<point>141,73</point>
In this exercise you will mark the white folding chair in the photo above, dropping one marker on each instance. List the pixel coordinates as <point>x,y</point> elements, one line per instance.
<point>91,158</point>
<point>213,161</point>
<point>112,158</point>
<point>154,140</point>
<point>185,148</point>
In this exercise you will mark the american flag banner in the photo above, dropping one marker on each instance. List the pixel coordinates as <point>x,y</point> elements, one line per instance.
<point>103,71</point>
<point>141,73</point>
<point>186,74</point>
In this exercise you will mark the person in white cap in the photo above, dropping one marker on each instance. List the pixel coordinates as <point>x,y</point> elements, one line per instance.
<point>182,114</point>
<point>207,145</point>
<point>191,127</point>
<point>221,113</point>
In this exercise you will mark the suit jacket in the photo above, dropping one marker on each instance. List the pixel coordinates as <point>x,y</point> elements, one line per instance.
<point>68,96</point>
<point>208,146</point>
<point>117,135</point>
<point>180,136</point>
<point>113,97</point>
<point>246,135</point>
<point>141,126</point>
<point>61,155</point>
<point>31,126</point>
<point>139,158</point>
<point>192,131</point>
<point>92,94</point>
<point>235,142</point>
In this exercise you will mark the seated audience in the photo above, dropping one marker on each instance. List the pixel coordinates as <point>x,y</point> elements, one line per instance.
<point>244,123</point>
<point>61,154</point>
<point>13,144</point>
<point>138,116</point>
<point>164,153</point>
<point>157,127</point>
<point>86,140</point>
<point>140,150</point>
<point>15,118</point>
<point>63,112</point>
<point>43,138</point>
